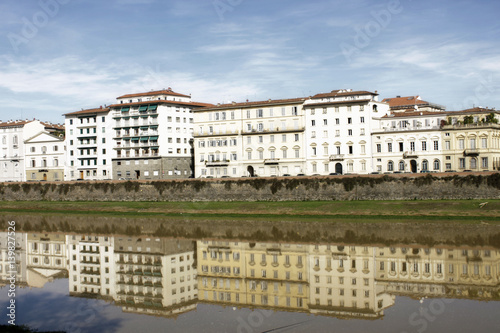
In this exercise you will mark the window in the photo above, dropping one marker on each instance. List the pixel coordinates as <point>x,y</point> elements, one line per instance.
<point>461,163</point>
<point>436,165</point>
<point>425,165</point>
<point>401,166</point>
<point>461,144</point>
<point>484,143</point>
<point>379,148</point>
<point>350,150</point>
<point>389,147</point>
<point>401,146</point>
<point>362,120</point>
<point>390,166</point>
<point>412,146</point>
<point>436,145</point>
<point>313,122</point>
<point>349,132</point>
<point>424,145</point>
<point>473,163</point>
<point>349,120</point>
<point>484,162</point>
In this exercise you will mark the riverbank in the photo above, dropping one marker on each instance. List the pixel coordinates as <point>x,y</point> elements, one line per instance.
<point>463,211</point>
<point>319,188</point>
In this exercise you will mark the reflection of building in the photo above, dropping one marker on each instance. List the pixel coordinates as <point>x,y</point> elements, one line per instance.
<point>343,284</point>
<point>20,258</point>
<point>46,257</point>
<point>155,276</point>
<point>254,274</point>
<point>91,266</point>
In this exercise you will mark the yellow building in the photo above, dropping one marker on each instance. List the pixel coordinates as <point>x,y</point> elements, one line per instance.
<point>472,140</point>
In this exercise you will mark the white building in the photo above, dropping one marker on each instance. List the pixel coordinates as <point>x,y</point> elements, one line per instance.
<point>338,128</point>
<point>152,135</point>
<point>45,157</point>
<point>12,149</point>
<point>263,138</point>
<point>88,144</point>
<point>409,141</point>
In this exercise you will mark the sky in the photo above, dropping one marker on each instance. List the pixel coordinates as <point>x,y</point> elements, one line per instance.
<point>60,56</point>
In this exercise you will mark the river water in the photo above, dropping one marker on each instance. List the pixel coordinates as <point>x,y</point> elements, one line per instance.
<point>96,282</point>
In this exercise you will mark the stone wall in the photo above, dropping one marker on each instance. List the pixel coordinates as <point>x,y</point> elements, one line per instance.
<point>264,189</point>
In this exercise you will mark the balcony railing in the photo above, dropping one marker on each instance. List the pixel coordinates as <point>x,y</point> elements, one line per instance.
<point>217,163</point>
<point>271,161</point>
<point>471,152</point>
<point>337,157</point>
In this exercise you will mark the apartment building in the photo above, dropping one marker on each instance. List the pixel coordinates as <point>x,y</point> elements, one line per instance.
<point>337,131</point>
<point>88,144</point>
<point>152,135</point>
<point>409,141</point>
<point>45,157</point>
<point>471,140</point>
<point>264,138</point>
<point>13,135</point>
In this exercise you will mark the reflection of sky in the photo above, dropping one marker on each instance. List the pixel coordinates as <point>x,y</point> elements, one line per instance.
<point>51,308</point>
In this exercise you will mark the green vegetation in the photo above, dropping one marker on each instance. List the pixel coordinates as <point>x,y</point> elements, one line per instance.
<point>465,211</point>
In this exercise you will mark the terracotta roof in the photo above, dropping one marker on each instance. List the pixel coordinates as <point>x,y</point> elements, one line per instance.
<point>88,111</point>
<point>162,101</point>
<point>404,101</point>
<point>414,114</point>
<point>353,101</point>
<point>476,110</point>
<point>338,93</point>
<point>269,102</point>
<point>21,123</point>
<point>153,93</point>
<point>16,123</point>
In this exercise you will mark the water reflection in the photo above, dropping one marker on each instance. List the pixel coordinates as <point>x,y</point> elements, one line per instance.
<point>167,277</point>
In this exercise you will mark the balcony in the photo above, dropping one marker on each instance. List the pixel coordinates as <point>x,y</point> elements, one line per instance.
<point>217,163</point>
<point>271,161</point>
<point>337,157</point>
<point>410,154</point>
<point>471,152</point>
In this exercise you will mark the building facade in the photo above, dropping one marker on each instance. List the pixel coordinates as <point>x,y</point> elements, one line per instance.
<point>338,128</point>
<point>45,157</point>
<point>250,139</point>
<point>152,135</point>
<point>88,144</point>
<point>12,145</point>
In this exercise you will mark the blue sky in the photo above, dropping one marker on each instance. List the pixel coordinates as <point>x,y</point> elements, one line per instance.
<point>58,56</point>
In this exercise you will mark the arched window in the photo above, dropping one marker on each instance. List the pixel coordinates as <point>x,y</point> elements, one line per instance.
<point>425,165</point>
<point>390,166</point>
<point>473,163</point>
<point>401,165</point>
<point>436,165</point>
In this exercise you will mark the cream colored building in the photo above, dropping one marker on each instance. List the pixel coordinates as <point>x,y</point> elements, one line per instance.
<point>263,138</point>
<point>471,140</point>
<point>409,141</point>
<point>45,157</point>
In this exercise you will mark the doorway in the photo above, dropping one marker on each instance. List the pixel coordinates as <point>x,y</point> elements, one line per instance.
<point>137,174</point>
<point>338,168</point>
<point>45,177</point>
<point>81,174</point>
<point>413,166</point>
<point>251,172</point>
